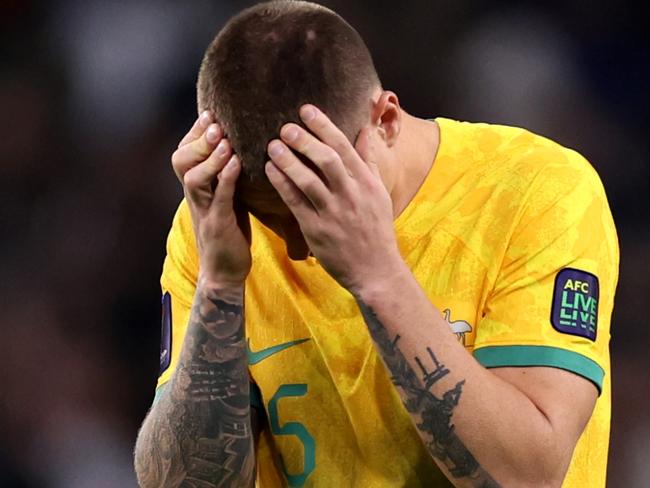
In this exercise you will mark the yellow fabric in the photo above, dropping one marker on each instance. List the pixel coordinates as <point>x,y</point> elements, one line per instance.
<point>500,214</point>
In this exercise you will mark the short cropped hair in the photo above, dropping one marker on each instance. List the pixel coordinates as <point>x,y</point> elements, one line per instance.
<point>274,57</point>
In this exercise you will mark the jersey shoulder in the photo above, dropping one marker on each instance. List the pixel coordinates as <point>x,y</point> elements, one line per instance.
<point>513,156</point>
<point>525,174</point>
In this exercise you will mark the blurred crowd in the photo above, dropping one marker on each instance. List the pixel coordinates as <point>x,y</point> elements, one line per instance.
<point>96,94</point>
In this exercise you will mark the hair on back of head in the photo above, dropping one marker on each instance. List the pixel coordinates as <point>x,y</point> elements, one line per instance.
<point>272,58</point>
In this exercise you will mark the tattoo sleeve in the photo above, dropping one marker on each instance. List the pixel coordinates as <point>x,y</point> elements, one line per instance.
<point>198,434</point>
<point>432,415</point>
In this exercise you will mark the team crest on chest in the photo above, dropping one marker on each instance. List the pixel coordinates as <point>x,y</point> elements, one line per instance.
<point>458,327</point>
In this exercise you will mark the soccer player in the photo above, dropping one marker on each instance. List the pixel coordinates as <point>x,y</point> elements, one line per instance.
<point>355,297</point>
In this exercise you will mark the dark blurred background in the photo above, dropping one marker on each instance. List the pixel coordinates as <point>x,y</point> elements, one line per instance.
<point>95,96</point>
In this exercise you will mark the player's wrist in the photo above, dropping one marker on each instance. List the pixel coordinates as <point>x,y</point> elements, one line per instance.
<point>390,278</point>
<point>221,285</point>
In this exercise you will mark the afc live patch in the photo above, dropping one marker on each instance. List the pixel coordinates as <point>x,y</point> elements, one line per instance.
<point>575,303</point>
<point>166,333</point>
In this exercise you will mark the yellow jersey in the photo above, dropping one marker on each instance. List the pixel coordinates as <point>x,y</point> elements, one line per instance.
<point>512,239</point>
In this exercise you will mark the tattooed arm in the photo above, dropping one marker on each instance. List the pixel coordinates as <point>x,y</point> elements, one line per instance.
<point>484,428</point>
<point>432,414</point>
<point>198,433</point>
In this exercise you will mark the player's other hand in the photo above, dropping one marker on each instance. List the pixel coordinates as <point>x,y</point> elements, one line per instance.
<point>345,213</point>
<point>208,170</point>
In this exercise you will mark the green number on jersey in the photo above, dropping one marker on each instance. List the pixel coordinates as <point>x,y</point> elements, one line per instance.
<point>295,429</point>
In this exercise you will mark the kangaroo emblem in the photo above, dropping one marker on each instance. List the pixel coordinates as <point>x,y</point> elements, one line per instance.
<point>458,327</point>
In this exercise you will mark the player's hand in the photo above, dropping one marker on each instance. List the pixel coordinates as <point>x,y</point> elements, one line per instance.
<point>208,170</point>
<point>346,215</point>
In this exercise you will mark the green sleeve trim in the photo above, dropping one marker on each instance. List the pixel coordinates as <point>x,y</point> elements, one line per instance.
<point>256,395</point>
<point>502,356</point>
<point>158,394</point>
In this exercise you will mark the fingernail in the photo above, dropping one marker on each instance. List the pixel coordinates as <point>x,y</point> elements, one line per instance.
<point>290,133</point>
<point>205,118</point>
<point>222,148</point>
<point>307,113</point>
<point>275,149</point>
<point>212,133</point>
<point>232,162</point>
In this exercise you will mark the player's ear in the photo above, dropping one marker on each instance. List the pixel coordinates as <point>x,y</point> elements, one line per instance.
<point>387,117</point>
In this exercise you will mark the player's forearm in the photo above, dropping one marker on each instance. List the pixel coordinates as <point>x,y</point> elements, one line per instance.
<point>481,430</point>
<point>199,432</point>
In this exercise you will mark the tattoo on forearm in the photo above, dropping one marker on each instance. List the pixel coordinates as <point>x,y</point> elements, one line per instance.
<point>200,435</point>
<point>434,414</point>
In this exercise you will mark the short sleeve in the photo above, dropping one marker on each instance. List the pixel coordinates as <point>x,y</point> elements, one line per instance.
<point>178,282</point>
<point>553,296</point>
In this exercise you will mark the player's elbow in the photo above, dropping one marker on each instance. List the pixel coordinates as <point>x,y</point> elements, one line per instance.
<point>531,480</point>
<point>523,477</point>
<point>142,463</point>
<point>155,465</point>
<point>544,467</point>
<point>536,482</point>
<point>142,460</point>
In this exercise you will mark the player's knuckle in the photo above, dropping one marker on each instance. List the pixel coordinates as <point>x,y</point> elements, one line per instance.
<point>325,163</point>
<point>176,159</point>
<point>197,150</point>
<point>310,185</point>
<point>318,231</point>
<point>212,160</point>
<point>340,145</point>
<point>304,145</point>
<point>332,156</point>
<point>292,199</point>
<point>191,180</point>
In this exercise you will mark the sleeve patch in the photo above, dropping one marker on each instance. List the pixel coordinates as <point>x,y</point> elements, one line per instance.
<point>575,303</point>
<point>166,333</point>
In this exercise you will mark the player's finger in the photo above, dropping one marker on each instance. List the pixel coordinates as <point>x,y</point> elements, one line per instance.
<point>195,152</point>
<point>290,194</point>
<point>225,192</point>
<point>202,122</point>
<point>204,173</point>
<point>302,177</point>
<point>317,122</point>
<point>323,156</point>
<point>198,181</point>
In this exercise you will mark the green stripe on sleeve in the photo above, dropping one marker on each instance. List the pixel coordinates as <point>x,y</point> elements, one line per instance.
<point>503,356</point>
<point>159,391</point>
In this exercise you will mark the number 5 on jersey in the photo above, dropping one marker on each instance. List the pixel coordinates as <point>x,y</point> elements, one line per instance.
<point>295,429</point>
